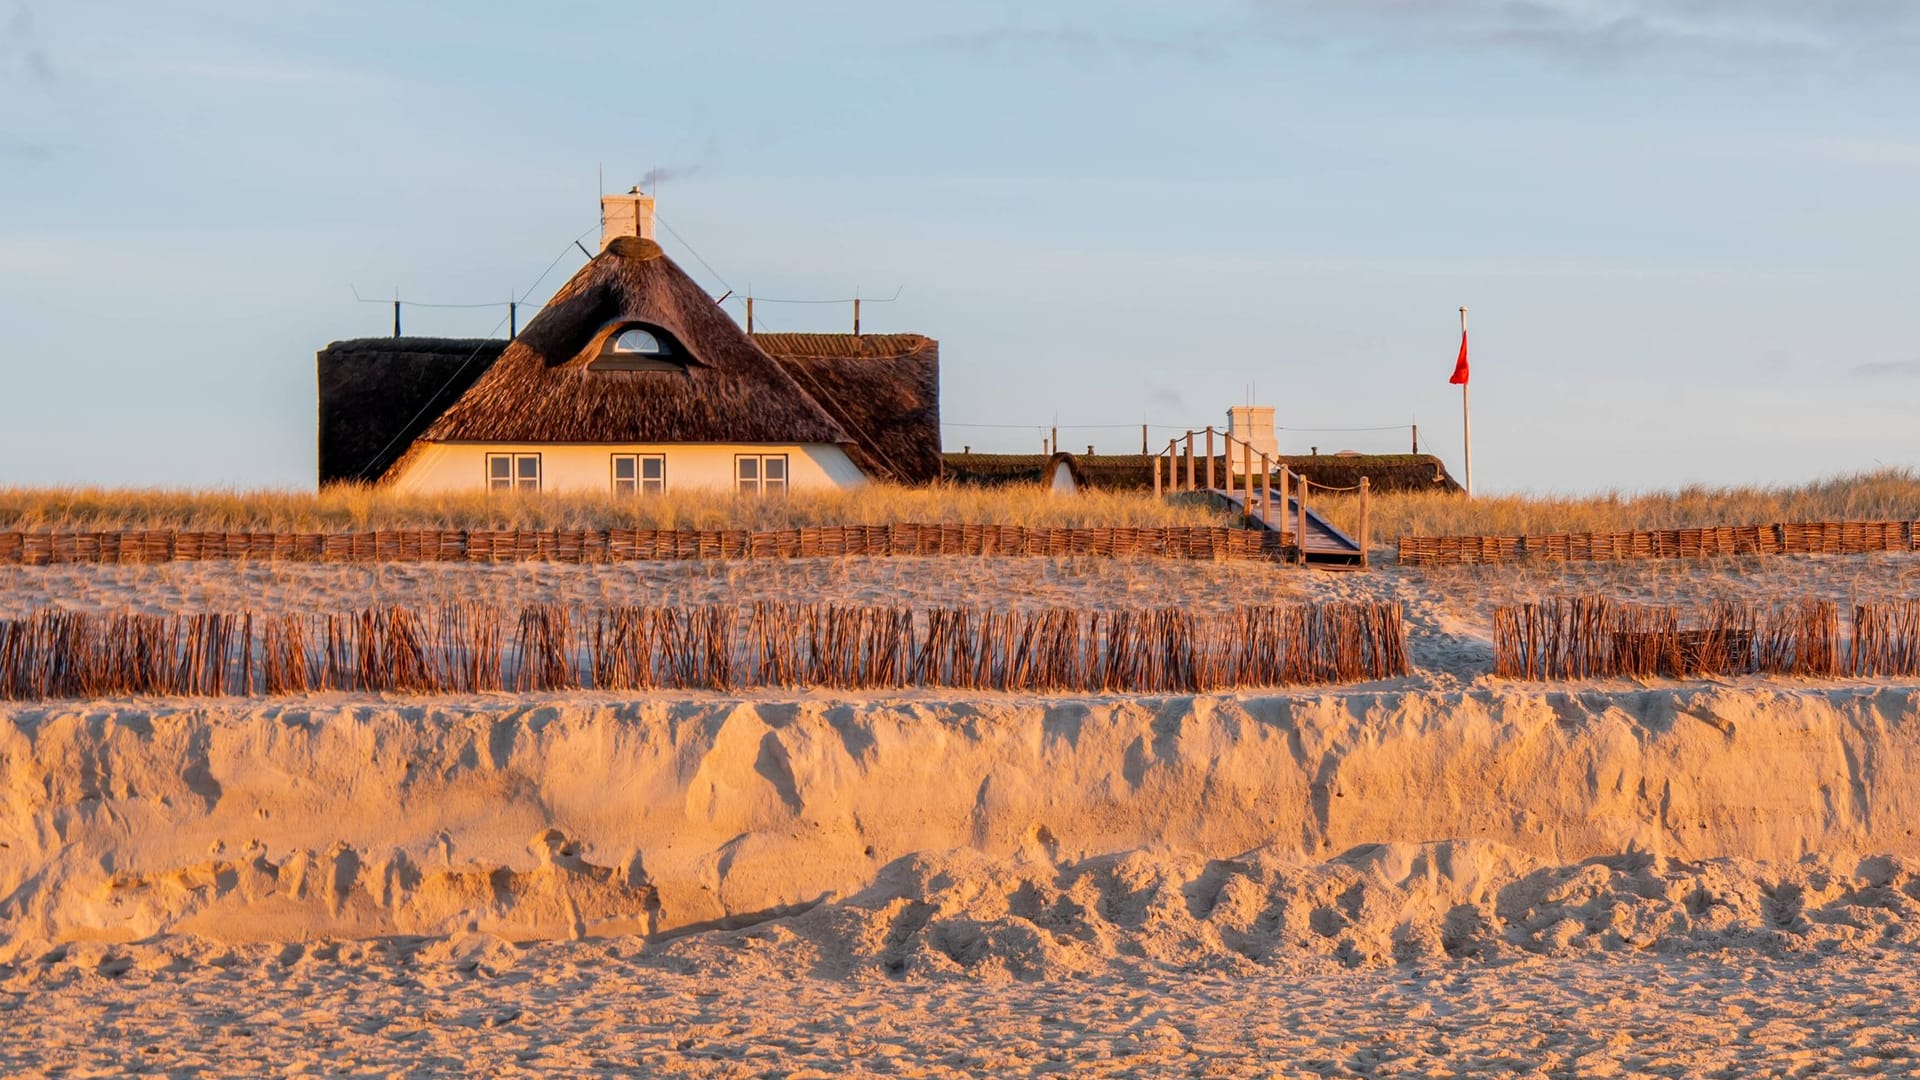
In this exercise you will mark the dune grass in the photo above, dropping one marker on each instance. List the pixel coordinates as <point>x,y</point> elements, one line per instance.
<point>1880,495</point>
<point>1883,495</point>
<point>344,508</point>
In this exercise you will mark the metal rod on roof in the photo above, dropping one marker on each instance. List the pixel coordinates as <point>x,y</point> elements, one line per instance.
<point>749,313</point>
<point>856,316</point>
<point>396,311</point>
<point>513,317</point>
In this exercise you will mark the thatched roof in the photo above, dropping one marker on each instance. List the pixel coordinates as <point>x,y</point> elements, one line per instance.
<point>884,389</point>
<point>378,394</point>
<point>1387,472</point>
<point>1134,472</point>
<point>542,391</point>
<point>877,395</point>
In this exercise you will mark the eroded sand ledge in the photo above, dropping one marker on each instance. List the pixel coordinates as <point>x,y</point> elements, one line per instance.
<point>299,821</point>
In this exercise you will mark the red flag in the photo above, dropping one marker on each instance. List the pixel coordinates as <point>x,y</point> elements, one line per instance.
<point>1460,365</point>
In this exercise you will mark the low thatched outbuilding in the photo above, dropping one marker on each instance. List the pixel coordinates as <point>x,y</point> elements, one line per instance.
<point>1134,472</point>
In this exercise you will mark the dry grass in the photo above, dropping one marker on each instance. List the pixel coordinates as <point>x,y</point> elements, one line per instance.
<point>341,508</point>
<point>1882,495</point>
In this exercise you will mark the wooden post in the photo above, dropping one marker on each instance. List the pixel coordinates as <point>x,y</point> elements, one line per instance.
<point>749,313</point>
<point>856,316</point>
<point>1155,459</point>
<point>1300,537</point>
<point>396,313</point>
<point>1189,461</point>
<point>1416,438</point>
<point>1143,440</point>
<point>1053,441</point>
<point>1266,488</point>
<point>1366,486</point>
<point>1466,411</point>
<point>1210,483</point>
<point>1246,467</point>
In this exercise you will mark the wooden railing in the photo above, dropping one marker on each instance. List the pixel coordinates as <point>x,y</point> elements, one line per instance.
<point>1259,501</point>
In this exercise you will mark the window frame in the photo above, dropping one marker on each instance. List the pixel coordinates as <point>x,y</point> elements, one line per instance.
<point>515,480</point>
<point>760,484</point>
<point>671,357</point>
<point>640,480</point>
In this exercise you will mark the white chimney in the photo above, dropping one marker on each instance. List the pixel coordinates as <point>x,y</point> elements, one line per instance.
<point>1252,424</point>
<point>630,214</point>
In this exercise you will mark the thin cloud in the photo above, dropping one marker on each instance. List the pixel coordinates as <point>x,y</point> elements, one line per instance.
<point>1080,43</point>
<point>1887,369</point>
<point>1762,36</point>
<point>264,71</point>
<point>21,54</point>
<point>1795,33</point>
<point>13,148</point>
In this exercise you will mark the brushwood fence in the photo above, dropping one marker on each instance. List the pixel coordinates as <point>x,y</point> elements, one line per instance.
<point>1816,538</point>
<point>622,545</point>
<point>1587,637</point>
<point>476,648</point>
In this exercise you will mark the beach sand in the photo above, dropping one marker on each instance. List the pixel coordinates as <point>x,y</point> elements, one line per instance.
<point>1439,875</point>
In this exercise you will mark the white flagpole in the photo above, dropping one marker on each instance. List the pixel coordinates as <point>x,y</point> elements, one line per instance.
<point>1466,412</point>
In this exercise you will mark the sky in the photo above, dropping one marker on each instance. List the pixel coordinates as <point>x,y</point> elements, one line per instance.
<point>1686,229</point>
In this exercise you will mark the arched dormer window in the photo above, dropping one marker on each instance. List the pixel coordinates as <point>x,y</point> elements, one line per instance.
<point>639,347</point>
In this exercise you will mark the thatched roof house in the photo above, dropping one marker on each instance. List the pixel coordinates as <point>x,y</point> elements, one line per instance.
<point>631,379</point>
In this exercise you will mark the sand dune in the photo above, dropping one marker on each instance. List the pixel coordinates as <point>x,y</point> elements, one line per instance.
<point>574,818</point>
<point>1676,881</point>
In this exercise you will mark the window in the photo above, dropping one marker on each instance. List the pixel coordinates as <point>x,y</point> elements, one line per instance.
<point>639,474</point>
<point>513,472</point>
<point>639,348</point>
<point>760,474</point>
<point>640,341</point>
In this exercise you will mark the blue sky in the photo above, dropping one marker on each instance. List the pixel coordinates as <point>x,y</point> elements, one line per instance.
<point>1687,228</point>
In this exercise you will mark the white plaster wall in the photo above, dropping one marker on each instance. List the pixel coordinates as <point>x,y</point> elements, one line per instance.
<point>576,468</point>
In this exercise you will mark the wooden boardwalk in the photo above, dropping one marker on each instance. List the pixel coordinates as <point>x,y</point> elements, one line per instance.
<point>1325,545</point>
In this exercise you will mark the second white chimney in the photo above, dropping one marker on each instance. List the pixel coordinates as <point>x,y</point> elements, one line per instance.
<point>1253,425</point>
<point>630,214</point>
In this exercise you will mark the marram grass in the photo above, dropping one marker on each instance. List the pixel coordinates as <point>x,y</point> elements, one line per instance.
<point>1880,495</point>
<point>355,507</point>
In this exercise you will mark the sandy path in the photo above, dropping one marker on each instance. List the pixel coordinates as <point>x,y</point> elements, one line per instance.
<point>1002,583</point>
<point>480,1007</point>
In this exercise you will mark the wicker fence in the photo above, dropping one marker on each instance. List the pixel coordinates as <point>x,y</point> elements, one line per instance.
<point>1817,538</point>
<point>619,545</point>
<point>1593,637</point>
<point>475,648</point>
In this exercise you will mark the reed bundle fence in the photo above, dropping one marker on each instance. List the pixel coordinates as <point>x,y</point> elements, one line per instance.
<point>466,648</point>
<point>1801,538</point>
<point>623,545</point>
<point>1585,637</point>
